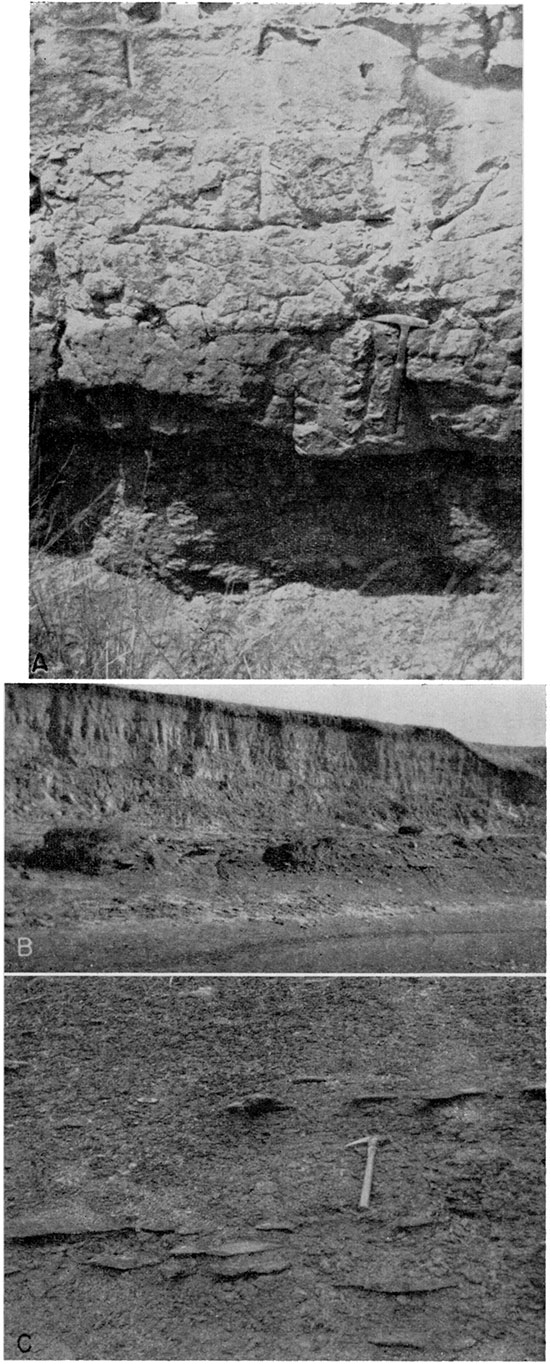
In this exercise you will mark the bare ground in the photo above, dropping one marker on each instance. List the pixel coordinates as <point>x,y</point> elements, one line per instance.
<point>430,903</point>
<point>151,1125</point>
<point>492,936</point>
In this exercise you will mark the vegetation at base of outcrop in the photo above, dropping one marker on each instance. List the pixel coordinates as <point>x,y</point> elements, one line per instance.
<point>205,299</point>
<point>64,849</point>
<point>84,849</point>
<point>90,623</point>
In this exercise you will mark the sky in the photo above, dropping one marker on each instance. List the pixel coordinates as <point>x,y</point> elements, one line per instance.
<point>482,712</point>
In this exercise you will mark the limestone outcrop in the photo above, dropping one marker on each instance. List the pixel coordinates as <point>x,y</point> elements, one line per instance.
<point>225,197</point>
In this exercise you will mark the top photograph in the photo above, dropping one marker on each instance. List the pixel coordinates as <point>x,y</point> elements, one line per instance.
<point>275,341</point>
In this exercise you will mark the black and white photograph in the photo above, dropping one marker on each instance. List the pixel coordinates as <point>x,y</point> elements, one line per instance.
<point>275,1169</point>
<point>276,341</point>
<point>149,829</point>
<point>274,682</point>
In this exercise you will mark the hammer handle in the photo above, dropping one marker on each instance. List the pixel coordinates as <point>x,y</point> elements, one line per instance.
<point>367,1181</point>
<point>396,386</point>
<point>393,402</point>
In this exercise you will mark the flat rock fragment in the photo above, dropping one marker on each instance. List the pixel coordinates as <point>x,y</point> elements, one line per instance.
<point>452,1096</point>
<point>412,1223</point>
<point>54,1223</point>
<point>399,1340</point>
<point>254,1104</point>
<point>270,1264</point>
<point>535,1091</point>
<point>123,1263</point>
<point>158,1224</point>
<point>275,1226</point>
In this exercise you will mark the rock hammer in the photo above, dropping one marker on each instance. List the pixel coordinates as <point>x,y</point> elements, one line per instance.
<point>371,1143</point>
<point>405,322</point>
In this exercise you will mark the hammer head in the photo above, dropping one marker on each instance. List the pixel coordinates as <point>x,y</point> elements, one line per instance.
<point>407,320</point>
<point>366,1141</point>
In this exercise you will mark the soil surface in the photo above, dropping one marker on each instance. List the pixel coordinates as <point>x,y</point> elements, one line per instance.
<point>181,1184</point>
<point>348,902</point>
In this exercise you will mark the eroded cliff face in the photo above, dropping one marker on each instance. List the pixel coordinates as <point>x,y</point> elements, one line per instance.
<point>225,199</point>
<point>79,751</point>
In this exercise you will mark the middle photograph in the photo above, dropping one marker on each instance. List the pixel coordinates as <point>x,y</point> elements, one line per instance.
<point>275,827</point>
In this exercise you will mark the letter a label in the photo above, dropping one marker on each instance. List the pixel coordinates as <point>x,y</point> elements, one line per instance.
<point>38,665</point>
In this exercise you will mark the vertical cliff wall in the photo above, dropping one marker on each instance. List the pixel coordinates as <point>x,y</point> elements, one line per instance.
<point>81,750</point>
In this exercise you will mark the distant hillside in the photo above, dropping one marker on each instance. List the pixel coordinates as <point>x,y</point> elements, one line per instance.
<point>520,757</point>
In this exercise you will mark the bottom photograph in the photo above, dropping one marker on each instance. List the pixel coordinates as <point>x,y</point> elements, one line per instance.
<point>275,1168</point>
